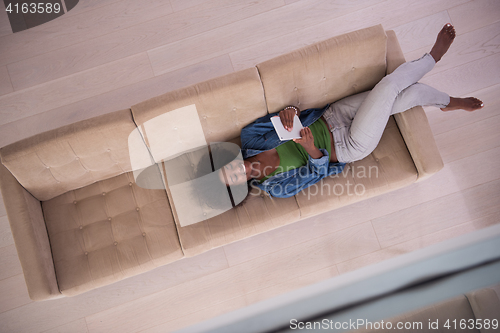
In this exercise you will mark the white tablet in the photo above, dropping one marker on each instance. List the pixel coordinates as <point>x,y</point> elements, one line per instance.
<point>284,134</point>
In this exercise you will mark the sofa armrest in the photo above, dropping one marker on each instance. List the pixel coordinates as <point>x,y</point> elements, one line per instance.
<point>30,236</point>
<point>485,305</point>
<point>413,124</point>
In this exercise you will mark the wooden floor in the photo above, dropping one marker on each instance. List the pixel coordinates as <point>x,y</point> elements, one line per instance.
<point>107,55</point>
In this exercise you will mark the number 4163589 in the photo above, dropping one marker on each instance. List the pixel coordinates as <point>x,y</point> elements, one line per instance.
<point>33,8</point>
<point>471,324</point>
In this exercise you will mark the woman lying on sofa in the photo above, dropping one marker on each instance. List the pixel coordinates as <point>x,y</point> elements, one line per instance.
<point>345,131</point>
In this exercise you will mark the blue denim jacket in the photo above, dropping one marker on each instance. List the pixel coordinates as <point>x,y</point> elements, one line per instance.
<point>260,136</point>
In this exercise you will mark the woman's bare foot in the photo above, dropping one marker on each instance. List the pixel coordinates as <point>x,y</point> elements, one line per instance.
<point>467,104</point>
<point>443,41</point>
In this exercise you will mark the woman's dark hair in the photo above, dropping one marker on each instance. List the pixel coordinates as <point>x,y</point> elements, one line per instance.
<point>220,154</point>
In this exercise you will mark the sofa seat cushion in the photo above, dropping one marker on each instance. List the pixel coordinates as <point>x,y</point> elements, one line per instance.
<point>258,213</point>
<point>108,231</point>
<point>325,72</point>
<point>72,156</point>
<point>387,168</point>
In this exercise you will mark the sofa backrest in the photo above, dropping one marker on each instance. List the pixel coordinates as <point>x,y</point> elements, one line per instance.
<point>73,156</point>
<point>221,108</point>
<point>325,72</point>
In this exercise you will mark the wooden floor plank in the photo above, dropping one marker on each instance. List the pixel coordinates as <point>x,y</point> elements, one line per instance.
<point>439,214</point>
<point>61,92</point>
<point>333,26</point>
<point>9,261</point>
<point>442,122</point>
<point>5,233</point>
<point>5,83</point>
<point>196,317</point>
<point>469,140</point>
<point>179,5</point>
<point>252,30</point>
<point>88,5</point>
<point>77,326</point>
<point>237,280</point>
<point>466,47</point>
<point>422,32</point>
<point>133,40</point>
<point>14,293</point>
<point>475,14</point>
<point>462,79</point>
<point>114,100</point>
<point>70,30</point>
<point>288,236</point>
<point>287,285</point>
<point>419,243</point>
<point>40,316</point>
<point>245,300</point>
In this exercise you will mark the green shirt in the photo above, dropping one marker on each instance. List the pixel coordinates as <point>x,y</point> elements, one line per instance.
<point>293,155</point>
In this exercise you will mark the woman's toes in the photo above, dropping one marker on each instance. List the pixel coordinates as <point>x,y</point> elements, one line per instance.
<point>476,104</point>
<point>450,30</point>
<point>443,41</point>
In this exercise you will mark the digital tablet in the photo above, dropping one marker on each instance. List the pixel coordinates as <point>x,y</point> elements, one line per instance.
<point>284,134</point>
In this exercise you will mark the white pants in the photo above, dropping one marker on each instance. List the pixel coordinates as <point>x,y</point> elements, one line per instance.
<point>358,121</point>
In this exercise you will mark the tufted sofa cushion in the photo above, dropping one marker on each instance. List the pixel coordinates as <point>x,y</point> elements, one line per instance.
<point>325,72</point>
<point>108,231</point>
<point>224,106</point>
<point>73,156</point>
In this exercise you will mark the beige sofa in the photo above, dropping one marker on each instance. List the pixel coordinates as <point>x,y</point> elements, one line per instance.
<point>80,221</point>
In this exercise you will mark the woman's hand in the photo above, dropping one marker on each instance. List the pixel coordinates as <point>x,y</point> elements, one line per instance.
<point>286,116</point>
<point>307,141</point>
